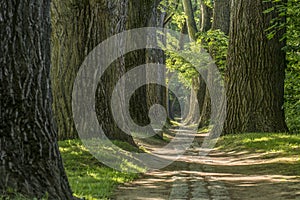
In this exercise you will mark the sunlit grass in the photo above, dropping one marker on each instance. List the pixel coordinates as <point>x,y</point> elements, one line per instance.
<point>282,143</point>
<point>279,153</point>
<point>87,176</point>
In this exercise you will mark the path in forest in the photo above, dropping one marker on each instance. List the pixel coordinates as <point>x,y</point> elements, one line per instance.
<point>218,176</point>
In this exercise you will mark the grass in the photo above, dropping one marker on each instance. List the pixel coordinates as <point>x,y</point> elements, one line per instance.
<point>281,143</point>
<point>87,176</point>
<point>279,151</point>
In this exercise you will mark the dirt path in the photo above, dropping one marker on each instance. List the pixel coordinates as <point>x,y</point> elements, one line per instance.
<point>218,176</point>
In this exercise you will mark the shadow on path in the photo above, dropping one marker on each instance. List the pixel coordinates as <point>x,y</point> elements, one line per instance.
<point>218,176</point>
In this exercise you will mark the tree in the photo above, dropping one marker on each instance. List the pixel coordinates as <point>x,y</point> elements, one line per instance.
<point>221,21</point>
<point>221,16</point>
<point>255,70</point>
<point>72,42</point>
<point>30,160</point>
<point>69,48</point>
<point>139,14</point>
<point>206,15</point>
<point>190,19</point>
<point>109,24</point>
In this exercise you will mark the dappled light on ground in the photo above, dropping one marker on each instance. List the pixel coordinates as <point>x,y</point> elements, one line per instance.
<point>227,173</point>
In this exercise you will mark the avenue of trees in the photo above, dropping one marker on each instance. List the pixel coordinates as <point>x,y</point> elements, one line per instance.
<point>255,45</point>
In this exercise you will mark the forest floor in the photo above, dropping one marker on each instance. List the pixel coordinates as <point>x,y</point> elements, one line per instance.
<point>226,173</point>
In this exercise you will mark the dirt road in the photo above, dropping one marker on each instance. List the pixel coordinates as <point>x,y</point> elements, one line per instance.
<point>218,176</point>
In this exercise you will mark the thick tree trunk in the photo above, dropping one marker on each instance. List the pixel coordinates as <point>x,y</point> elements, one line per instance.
<point>69,48</point>
<point>156,93</point>
<point>138,16</point>
<point>30,160</point>
<point>110,23</point>
<point>221,16</point>
<point>255,71</point>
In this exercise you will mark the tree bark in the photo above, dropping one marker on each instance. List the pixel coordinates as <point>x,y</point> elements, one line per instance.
<point>69,48</point>
<point>138,16</point>
<point>190,19</point>
<point>221,20</point>
<point>110,23</point>
<point>221,15</point>
<point>92,23</point>
<point>30,160</point>
<point>206,15</point>
<point>255,71</point>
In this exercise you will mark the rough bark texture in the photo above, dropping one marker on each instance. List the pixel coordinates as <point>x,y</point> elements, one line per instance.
<point>156,94</point>
<point>110,19</point>
<point>255,71</point>
<point>221,16</point>
<point>79,26</point>
<point>139,15</point>
<point>69,48</point>
<point>30,160</point>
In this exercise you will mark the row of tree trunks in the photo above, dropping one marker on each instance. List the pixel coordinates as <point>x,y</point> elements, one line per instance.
<point>195,88</point>
<point>73,41</point>
<point>30,160</point>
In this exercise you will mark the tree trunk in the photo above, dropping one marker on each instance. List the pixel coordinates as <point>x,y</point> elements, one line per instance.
<point>156,93</point>
<point>69,48</point>
<point>108,24</point>
<point>221,16</point>
<point>205,18</point>
<point>198,84</point>
<point>190,19</point>
<point>138,17</point>
<point>255,71</point>
<point>30,160</point>
<point>221,20</point>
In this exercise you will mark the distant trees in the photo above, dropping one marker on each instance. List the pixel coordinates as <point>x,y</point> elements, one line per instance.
<point>255,70</point>
<point>30,160</point>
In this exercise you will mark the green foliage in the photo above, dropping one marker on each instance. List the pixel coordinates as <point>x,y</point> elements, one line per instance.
<point>87,176</point>
<point>290,10</point>
<point>292,98</point>
<point>186,71</point>
<point>174,11</point>
<point>216,43</point>
<point>292,83</point>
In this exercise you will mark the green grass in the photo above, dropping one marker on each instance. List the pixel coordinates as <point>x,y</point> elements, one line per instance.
<point>281,143</point>
<point>280,152</point>
<point>87,176</point>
